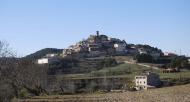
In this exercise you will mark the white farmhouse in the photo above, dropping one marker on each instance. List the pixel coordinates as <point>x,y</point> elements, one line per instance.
<point>43,61</point>
<point>147,80</point>
<point>47,60</point>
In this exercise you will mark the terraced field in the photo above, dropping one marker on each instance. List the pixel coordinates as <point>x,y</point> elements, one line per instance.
<point>167,94</point>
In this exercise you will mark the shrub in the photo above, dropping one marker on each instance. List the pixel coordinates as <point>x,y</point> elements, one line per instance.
<point>144,58</point>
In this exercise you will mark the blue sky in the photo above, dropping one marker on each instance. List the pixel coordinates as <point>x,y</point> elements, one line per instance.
<point>30,25</point>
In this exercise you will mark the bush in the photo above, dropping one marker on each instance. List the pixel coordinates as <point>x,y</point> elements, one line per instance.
<point>23,93</point>
<point>179,61</point>
<point>144,58</point>
<point>109,62</point>
<point>6,92</point>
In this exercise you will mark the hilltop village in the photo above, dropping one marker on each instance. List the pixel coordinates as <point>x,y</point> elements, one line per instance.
<point>101,45</point>
<point>98,64</point>
<point>97,45</point>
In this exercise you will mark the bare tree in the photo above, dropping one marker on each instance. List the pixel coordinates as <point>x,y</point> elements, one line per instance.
<point>5,50</point>
<point>17,74</point>
<point>6,90</point>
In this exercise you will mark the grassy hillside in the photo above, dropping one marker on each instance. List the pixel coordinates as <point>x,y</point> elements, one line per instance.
<point>121,70</point>
<point>168,94</point>
<point>127,70</point>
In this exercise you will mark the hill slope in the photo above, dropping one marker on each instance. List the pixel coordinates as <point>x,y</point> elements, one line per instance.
<point>43,52</point>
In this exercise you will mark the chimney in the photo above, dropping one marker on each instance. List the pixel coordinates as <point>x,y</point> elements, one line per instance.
<point>97,33</point>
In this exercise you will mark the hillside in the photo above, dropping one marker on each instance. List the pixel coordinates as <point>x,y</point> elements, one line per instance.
<point>167,94</point>
<point>41,53</point>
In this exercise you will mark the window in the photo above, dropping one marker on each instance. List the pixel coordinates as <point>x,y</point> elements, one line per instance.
<point>144,82</point>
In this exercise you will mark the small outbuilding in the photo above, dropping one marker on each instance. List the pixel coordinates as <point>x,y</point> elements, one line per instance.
<point>171,70</point>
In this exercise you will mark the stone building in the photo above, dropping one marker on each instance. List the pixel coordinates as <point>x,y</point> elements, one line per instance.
<point>120,47</point>
<point>147,80</point>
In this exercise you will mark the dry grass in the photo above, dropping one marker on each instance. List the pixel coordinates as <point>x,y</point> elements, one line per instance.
<point>168,94</point>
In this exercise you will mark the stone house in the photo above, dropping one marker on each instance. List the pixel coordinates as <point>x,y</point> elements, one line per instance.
<point>67,51</point>
<point>120,48</point>
<point>114,40</point>
<point>147,81</point>
<point>80,48</point>
<point>155,54</point>
<point>103,38</point>
<point>170,54</point>
<point>142,51</point>
<point>96,53</point>
<point>93,47</point>
<point>98,38</point>
<point>132,51</point>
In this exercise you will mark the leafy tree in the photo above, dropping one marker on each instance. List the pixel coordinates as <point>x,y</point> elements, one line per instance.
<point>180,61</point>
<point>145,58</point>
<point>109,62</point>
